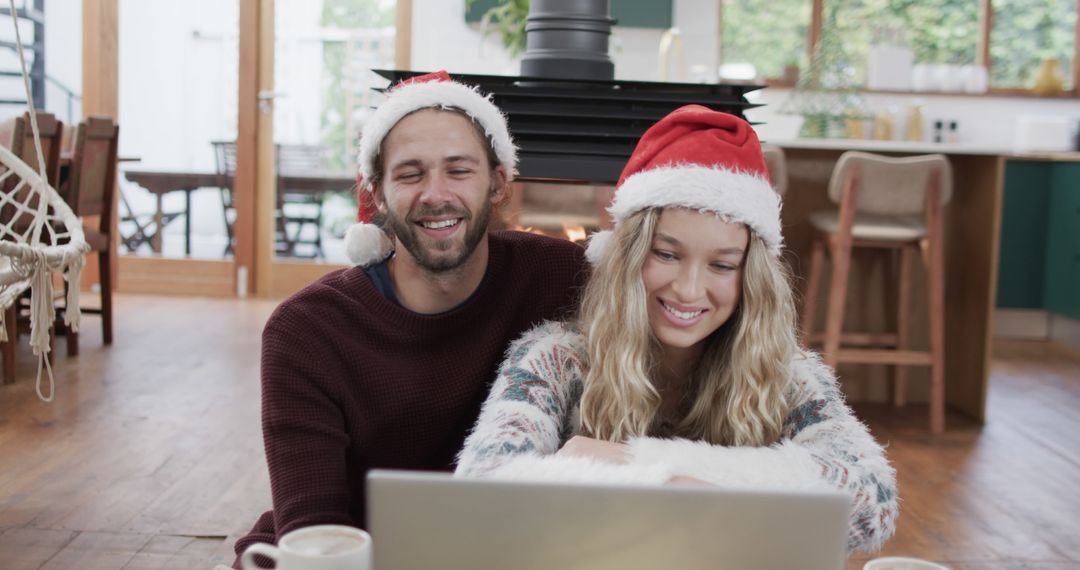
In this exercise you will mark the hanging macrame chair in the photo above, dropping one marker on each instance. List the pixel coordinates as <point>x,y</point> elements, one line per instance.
<point>39,236</point>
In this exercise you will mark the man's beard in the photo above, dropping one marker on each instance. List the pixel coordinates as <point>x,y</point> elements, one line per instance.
<point>407,233</point>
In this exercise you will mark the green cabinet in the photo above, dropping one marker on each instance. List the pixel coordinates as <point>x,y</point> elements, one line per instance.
<point>1039,265</point>
<point>1061,288</point>
<point>1023,234</point>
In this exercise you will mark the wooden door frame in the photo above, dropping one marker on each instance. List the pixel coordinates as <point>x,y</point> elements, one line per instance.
<point>275,277</point>
<point>225,277</point>
<point>204,277</point>
<point>100,86</point>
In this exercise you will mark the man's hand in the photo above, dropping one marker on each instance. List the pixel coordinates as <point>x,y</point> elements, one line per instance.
<point>581,446</point>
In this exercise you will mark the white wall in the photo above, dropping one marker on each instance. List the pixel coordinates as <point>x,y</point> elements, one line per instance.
<point>989,121</point>
<point>461,48</point>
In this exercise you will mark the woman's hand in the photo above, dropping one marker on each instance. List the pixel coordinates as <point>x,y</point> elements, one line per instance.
<point>581,446</point>
<point>687,481</point>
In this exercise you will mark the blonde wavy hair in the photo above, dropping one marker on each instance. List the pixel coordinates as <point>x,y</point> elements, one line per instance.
<point>736,392</point>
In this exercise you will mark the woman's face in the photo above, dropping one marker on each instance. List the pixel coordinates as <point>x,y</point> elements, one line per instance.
<point>692,276</point>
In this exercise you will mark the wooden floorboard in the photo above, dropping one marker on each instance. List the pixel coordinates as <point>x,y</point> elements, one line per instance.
<point>151,455</point>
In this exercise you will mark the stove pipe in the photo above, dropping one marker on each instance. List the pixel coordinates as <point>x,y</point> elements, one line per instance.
<point>568,39</point>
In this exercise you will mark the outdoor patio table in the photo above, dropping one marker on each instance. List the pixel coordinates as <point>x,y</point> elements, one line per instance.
<point>162,182</point>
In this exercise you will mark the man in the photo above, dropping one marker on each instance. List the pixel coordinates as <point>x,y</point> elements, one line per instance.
<point>387,364</point>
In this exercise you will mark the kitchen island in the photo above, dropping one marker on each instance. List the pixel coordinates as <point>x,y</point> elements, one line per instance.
<point>972,250</point>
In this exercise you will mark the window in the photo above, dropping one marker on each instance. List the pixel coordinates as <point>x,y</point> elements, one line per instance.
<point>1026,32</point>
<point>937,31</point>
<point>1013,42</point>
<point>768,35</point>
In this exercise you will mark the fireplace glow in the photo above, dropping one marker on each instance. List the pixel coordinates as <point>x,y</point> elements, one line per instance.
<point>574,233</point>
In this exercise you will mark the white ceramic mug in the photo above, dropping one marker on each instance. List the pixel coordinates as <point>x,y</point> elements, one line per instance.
<point>321,547</point>
<point>901,563</point>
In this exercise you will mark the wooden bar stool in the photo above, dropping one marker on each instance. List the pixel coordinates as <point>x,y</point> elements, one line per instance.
<point>776,163</point>
<point>884,203</point>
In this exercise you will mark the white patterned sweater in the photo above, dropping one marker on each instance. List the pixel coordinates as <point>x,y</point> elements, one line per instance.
<point>533,409</point>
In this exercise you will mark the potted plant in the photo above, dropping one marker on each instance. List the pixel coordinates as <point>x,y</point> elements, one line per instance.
<point>509,17</point>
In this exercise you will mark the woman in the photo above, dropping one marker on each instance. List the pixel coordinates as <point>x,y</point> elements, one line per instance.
<point>683,364</point>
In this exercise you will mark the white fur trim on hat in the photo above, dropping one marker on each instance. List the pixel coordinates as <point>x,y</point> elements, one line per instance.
<point>598,244</point>
<point>410,97</point>
<point>735,196</point>
<point>366,244</point>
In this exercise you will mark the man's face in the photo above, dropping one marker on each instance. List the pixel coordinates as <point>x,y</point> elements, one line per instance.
<point>438,188</point>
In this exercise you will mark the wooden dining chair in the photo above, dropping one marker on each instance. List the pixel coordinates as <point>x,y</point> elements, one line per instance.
<point>19,136</point>
<point>22,145</point>
<point>891,204</point>
<point>92,189</point>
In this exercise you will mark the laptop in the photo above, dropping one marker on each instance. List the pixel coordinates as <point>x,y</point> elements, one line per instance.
<point>422,520</point>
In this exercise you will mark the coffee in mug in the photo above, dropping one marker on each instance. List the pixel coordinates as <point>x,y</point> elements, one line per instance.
<point>321,547</point>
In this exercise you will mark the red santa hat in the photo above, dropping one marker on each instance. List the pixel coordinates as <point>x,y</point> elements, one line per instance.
<point>703,160</point>
<point>366,243</point>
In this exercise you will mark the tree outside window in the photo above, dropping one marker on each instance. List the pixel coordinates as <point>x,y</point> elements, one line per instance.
<point>1026,32</point>
<point>772,33</point>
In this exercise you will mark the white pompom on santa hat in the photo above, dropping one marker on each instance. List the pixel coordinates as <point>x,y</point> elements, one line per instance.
<point>365,242</point>
<point>703,160</point>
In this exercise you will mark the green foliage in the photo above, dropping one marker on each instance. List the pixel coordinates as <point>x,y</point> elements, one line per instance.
<point>772,33</point>
<point>510,18</point>
<point>332,120</point>
<point>938,31</point>
<point>343,15</point>
<point>1026,32</point>
<point>769,34</point>
<point>352,14</point>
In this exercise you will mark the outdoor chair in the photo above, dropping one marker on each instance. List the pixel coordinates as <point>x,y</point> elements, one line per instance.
<point>225,160</point>
<point>141,228</point>
<point>299,213</point>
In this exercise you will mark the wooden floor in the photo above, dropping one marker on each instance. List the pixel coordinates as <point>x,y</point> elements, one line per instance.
<point>151,455</point>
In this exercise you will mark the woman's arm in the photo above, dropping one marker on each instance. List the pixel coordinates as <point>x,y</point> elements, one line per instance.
<point>823,445</point>
<point>528,411</point>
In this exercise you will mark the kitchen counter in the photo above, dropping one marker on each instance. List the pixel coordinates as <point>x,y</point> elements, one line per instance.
<point>909,147</point>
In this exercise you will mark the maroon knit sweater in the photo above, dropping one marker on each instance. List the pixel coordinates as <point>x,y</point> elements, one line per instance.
<point>352,381</point>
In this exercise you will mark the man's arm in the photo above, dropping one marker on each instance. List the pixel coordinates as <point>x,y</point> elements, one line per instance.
<point>303,428</point>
